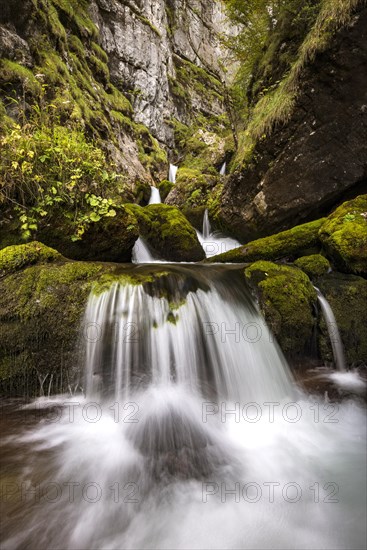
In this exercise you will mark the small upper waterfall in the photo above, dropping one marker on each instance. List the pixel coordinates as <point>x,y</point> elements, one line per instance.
<point>333,330</point>
<point>206,225</point>
<point>172,173</point>
<point>215,242</point>
<point>223,169</point>
<point>155,196</point>
<point>194,329</point>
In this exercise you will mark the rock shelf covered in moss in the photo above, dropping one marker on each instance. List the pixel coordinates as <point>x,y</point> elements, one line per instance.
<point>287,244</point>
<point>111,239</point>
<point>287,298</point>
<point>344,236</point>
<point>14,258</point>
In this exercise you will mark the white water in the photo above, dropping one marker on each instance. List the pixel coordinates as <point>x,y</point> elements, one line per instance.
<point>214,243</point>
<point>207,229</point>
<point>172,173</point>
<point>223,169</point>
<point>141,253</point>
<point>160,482</point>
<point>333,330</point>
<point>155,196</point>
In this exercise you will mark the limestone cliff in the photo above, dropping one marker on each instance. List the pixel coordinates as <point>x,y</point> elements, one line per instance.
<point>123,65</point>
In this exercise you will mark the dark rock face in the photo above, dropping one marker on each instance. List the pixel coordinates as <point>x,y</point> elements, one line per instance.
<point>320,157</point>
<point>347,295</point>
<point>109,240</point>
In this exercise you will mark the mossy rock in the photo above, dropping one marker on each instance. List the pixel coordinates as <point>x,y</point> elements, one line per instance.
<point>14,258</point>
<point>165,187</point>
<point>287,300</point>
<point>314,265</point>
<point>41,309</point>
<point>168,232</point>
<point>344,236</point>
<point>142,192</point>
<point>108,240</point>
<point>347,295</point>
<point>288,244</point>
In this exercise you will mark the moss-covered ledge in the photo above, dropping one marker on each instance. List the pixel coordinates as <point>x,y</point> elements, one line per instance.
<point>14,258</point>
<point>344,236</point>
<point>286,298</point>
<point>288,244</point>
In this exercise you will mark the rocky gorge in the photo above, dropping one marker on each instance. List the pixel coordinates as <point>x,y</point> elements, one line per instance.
<point>97,98</point>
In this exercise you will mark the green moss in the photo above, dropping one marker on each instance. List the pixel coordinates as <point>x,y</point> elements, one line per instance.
<point>146,21</point>
<point>165,187</point>
<point>286,299</point>
<point>314,265</point>
<point>14,74</point>
<point>128,278</point>
<point>99,52</point>
<point>168,232</point>
<point>287,244</point>
<point>344,236</point>
<point>41,309</point>
<point>14,258</point>
<point>347,295</point>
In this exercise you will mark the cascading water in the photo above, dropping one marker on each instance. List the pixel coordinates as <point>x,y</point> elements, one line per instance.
<point>191,435</point>
<point>155,196</point>
<point>333,331</point>
<point>222,171</point>
<point>206,225</point>
<point>214,243</point>
<point>141,253</point>
<point>172,173</point>
<point>350,381</point>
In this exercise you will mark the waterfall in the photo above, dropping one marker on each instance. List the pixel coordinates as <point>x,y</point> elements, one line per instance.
<point>172,173</point>
<point>214,243</point>
<point>206,225</point>
<point>210,340</point>
<point>333,331</point>
<point>223,169</point>
<point>141,253</point>
<point>191,433</point>
<point>155,196</point>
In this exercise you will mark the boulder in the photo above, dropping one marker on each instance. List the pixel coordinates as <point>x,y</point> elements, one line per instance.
<point>286,297</point>
<point>168,232</point>
<point>111,239</point>
<point>344,236</point>
<point>15,258</point>
<point>313,265</point>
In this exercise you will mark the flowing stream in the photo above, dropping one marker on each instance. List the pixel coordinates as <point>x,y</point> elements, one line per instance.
<point>191,433</point>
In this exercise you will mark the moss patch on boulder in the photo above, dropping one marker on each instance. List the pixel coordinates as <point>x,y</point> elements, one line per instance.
<point>41,308</point>
<point>287,298</point>
<point>314,265</point>
<point>168,232</point>
<point>111,239</point>
<point>347,295</point>
<point>14,258</point>
<point>165,187</point>
<point>288,244</point>
<point>344,236</point>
